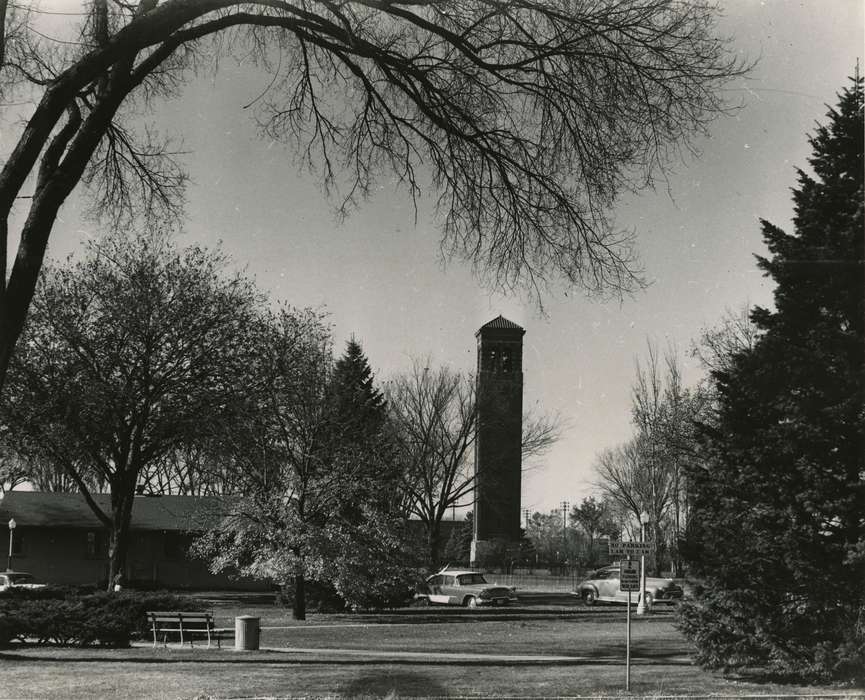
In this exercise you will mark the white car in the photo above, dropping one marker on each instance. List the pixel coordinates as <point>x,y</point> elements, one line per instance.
<point>466,588</point>
<point>17,579</point>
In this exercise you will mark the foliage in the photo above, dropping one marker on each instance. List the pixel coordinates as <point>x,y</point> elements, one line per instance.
<point>359,408</point>
<point>13,470</point>
<point>312,463</point>
<point>48,592</point>
<point>358,419</point>
<point>528,118</point>
<point>778,527</point>
<point>459,544</point>
<point>548,536</point>
<point>70,618</point>
<point>130,352</point>
<point>595,518</point>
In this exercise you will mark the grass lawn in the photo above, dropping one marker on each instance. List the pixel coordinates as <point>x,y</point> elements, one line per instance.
<point>541,649</point>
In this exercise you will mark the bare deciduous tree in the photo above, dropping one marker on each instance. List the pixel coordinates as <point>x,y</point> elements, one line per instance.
<point>435,416</point>
<point>646,473</point>
<point>531,116</point>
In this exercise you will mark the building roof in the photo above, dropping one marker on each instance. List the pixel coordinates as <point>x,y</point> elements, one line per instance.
<point>500,322</point>
<point>43,509</point>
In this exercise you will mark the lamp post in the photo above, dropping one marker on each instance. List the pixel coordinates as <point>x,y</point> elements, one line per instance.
<point>12,525</point>
<point>641,606</point>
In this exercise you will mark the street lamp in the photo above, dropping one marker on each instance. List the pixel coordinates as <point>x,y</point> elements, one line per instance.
<point>12,525</point>
<point>641,606</point>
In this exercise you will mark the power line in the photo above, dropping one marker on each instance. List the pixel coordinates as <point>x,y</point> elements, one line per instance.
<point>48,12</point>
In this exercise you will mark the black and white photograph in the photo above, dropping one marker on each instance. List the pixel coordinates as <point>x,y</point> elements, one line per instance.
<point>432,349</point>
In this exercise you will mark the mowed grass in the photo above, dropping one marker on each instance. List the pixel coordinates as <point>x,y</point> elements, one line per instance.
<point>537,649</point>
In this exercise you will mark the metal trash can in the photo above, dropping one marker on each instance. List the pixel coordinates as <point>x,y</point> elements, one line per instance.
<point>246,633</point>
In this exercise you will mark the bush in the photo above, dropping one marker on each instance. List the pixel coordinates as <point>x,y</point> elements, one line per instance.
<point>50,592</point>
<point>108,619</point>
<point>740,630</point>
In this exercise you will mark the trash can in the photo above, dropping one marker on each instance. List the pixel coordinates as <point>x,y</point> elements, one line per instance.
<point>246,633</point>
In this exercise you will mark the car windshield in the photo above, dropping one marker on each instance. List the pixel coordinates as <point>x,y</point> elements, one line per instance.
<point>20,578</point>
<point>472,579</point>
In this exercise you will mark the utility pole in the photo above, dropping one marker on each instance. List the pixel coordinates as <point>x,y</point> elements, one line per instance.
<point>565,506</point>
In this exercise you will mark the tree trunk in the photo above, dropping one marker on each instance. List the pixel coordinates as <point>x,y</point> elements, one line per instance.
<point>298,604</point>
<point>434,543</point>
<point>117,551</point>
<point>118,548</point>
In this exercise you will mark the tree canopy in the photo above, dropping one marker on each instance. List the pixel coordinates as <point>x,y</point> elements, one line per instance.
<point>778,510</point>
<point>313,471</point>
<point>528,118</point>
<point>130,353</point>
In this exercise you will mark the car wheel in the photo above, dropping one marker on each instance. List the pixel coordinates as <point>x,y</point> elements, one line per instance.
<point>590,597</point>
<point>471,602</point>
<point>423,602</point>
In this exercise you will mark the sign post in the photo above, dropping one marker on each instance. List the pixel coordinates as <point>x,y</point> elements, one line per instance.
<point>629,580</point>
<point>629,550</point>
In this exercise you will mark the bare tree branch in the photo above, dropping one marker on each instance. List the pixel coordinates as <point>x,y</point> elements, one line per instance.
<point>530,117</point>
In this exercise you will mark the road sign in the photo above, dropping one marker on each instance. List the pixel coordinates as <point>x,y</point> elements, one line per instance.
<point>631,549</point>
<point>629,575</point>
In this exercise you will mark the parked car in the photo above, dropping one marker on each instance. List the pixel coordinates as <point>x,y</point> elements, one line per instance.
<point>464,587</point>
<point>603,586</point>
<point>17,579</point>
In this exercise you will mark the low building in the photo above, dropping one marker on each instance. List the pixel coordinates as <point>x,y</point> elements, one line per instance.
<point>59,539</point>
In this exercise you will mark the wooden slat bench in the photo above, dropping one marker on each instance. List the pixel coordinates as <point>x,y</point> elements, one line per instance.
<point>186,624</point>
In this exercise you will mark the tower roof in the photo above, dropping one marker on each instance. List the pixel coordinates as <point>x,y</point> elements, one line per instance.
<point>501,323</point>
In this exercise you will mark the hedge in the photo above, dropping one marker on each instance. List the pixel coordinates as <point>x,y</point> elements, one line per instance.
<point>68,617</point>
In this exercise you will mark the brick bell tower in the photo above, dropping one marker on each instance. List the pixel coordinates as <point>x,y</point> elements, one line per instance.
<point>498,436</point>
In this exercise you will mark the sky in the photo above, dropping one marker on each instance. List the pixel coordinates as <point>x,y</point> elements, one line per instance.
<point>380,276</point>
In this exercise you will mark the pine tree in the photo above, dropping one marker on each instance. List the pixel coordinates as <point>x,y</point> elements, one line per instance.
<point>359,431</point>
<point>359,408</point>
<point>779,509</point>
<point>458,547</point>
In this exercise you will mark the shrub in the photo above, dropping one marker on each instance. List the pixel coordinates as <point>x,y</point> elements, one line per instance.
<point>108,619</point>
<point>736,630</point>
<point>50,592</point>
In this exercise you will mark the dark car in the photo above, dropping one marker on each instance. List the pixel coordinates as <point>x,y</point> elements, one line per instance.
<point>463,587</point>
<point>603,586</point>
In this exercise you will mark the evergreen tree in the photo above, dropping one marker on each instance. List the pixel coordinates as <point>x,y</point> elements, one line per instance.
<point>359,430</point>
<point>459,544</point>
<point>778,520</point>
<point>359,408</point>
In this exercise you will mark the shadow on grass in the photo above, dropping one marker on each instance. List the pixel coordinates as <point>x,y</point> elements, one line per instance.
<point>435,615</point>
<point>388,685</point>
<point>325,659</point>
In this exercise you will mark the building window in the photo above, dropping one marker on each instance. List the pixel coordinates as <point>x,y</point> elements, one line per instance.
<point>97,545</point>
<point>491,360</point>
<point>507,365</point>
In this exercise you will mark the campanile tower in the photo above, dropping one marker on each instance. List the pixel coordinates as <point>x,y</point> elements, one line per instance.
<point>498,439</point>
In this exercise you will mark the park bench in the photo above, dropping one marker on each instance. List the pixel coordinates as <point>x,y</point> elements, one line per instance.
<point>186,624</point>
